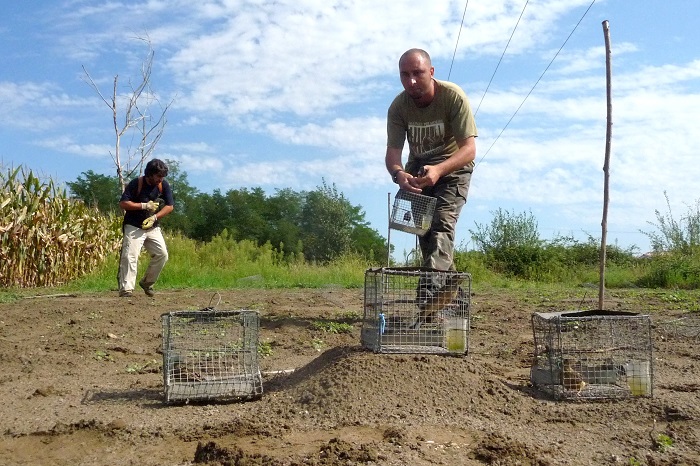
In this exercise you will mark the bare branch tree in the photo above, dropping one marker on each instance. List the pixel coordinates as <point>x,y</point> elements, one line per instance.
<point>137,118</point>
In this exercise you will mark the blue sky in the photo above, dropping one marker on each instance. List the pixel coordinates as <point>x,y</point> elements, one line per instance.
<point>286,94</point>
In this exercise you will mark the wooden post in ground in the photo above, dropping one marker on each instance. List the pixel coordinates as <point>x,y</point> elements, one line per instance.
<point>606,168</point>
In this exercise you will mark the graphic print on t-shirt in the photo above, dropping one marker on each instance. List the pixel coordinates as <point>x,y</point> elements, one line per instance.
<point>426,139</point>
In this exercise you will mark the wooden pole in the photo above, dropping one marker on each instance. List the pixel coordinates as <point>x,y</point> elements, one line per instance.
<point>606,168</point>
<point>388,235</point>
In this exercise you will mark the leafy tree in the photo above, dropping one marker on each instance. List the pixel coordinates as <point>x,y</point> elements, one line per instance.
<point>510,243</point>
<point>320,225</point>
<point>210,214</point>
<point>185,197</point>
<point>326,224</point>
<point>506,230</point>
<point>247,214</point>
<point>283,212</point>
<point>100,191</point>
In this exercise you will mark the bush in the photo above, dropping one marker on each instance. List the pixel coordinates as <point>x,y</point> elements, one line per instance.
<point>679,236</point>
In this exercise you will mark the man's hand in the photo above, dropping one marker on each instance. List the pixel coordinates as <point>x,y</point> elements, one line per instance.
<point>406,181</point>
<point>149,222</point>
<point>427,176</point>
<point>149,206</point>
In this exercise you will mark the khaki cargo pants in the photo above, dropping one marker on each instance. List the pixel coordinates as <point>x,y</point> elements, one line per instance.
<point>135,239</point>
<point>437,245</point>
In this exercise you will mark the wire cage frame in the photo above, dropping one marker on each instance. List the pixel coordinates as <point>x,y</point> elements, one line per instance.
<point>586,355</point>
<point>211,355</point>
<point>416,310</point>
<point>412,212</point>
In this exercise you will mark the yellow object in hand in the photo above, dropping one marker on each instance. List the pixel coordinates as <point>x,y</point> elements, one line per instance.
<point>149,222</point>
<point>149,206</point>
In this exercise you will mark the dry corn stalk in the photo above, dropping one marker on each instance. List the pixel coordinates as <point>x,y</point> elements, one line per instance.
<point>46,238</point>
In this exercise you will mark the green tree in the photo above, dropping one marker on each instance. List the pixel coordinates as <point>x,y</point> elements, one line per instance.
<point>283,212</point>
<point>100,191</point>
<point>185,196</point>
<point>507,230</point>
<point>326,224</point>
<point>511,243</point>
<point>210,214</point>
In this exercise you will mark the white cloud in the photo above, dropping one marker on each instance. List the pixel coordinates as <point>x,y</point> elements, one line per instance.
<point>283,94</point>
<point>67,145</point>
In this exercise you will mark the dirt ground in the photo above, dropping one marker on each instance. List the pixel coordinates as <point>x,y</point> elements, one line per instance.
<point>81,384</point>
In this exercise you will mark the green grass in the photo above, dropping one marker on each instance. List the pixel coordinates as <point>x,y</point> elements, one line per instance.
<point>227,264</point>
<point>331,327</point>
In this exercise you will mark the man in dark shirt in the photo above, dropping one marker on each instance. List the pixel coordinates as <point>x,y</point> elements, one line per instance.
<point>145,201</point>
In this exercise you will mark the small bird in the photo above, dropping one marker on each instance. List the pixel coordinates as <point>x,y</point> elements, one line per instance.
<point>180,370</point>
<point>571,379</point>
<point>607,372</point>
<point>439,300</point>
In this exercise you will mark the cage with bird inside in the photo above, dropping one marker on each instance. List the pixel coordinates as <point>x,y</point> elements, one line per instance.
<point>412,212</point>
<point>416,310</point>
<point>211,354</point>
<point>584,355</point>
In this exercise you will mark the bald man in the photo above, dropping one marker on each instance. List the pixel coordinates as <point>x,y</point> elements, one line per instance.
<point>436,119</point>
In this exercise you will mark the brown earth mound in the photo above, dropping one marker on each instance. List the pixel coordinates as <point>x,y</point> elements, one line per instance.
<point>82,384</point>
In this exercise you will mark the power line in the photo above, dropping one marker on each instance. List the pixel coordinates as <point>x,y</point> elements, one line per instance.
<point>459,33</point>
<point>537,82</point>
<point>501,59</point>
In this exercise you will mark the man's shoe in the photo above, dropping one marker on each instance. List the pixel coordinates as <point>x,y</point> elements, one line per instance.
<point>148,289</point>
<point>125,294</point>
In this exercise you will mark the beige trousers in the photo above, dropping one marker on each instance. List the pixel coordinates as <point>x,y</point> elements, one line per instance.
<point>135,239</point>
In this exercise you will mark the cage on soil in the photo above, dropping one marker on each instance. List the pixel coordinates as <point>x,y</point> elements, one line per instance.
<point>592,354</point>
<point>412,212</point>
<point>211,355</point>
<point>416,310</point>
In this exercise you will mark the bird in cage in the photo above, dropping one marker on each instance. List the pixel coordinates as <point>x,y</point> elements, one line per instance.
<point>438,300</point>
<point>182,371</point>
<point>606,371</point>
<point>571,379</point>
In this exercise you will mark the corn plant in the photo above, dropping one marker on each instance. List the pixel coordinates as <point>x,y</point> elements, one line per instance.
<point>46,238</point>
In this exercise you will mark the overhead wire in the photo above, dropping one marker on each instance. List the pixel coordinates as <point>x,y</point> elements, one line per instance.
<point>501,59</point>
<point>537,82</point>
<point>459,33</point>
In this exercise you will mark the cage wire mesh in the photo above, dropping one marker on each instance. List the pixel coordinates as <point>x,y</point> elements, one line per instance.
<point>592,354</point>
<point>681,328</point>
<point>416,310</point>
<point>412,212</point>
<point>211,355</point>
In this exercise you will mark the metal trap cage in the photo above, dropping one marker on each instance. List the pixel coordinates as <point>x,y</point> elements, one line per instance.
<point>416,310</point>
<point>211,355</point>
<point>592,354</point>
<point>685,327</point>
<point>412,212</point>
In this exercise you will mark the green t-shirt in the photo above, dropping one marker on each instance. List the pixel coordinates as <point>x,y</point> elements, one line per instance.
<point>433,131</point>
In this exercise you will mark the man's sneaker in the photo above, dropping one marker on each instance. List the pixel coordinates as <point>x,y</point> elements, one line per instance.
<point>125,294</point>
<point>148,289</point>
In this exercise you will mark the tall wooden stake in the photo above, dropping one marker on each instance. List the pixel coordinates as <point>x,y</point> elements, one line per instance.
<point>606,168</point>
<point>388,235</point>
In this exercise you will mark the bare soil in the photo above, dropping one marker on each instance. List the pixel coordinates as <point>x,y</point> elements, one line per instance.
<point>81,384</point>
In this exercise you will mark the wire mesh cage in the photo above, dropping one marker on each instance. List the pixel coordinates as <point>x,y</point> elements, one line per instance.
<point>416,310</point>
<point>592,354</point>
<point>686,327</point>
<point>412,212</point>
<point>211,355</point>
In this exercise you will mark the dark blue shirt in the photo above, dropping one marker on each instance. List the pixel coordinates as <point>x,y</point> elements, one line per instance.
<point>148,193</point>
